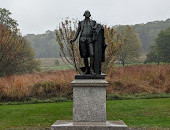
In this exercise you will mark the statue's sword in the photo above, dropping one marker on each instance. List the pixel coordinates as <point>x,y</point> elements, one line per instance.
<point>74,58</point>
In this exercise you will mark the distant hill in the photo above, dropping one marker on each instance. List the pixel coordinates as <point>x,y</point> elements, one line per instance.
<point>45,45</point>
<point>149,31</point>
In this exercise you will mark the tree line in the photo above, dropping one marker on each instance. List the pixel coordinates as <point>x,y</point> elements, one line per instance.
<point>148,32</point>
<point>45,45</point>
<point>125,43</point>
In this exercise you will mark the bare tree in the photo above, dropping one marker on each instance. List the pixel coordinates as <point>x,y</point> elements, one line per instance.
<point>70,52</point>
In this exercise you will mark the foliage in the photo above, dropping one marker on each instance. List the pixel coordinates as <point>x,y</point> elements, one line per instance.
<point>132,44</point>
<point>148,32</point>
<point>56,62</point>
<point>71,51</point>
<point>44,45</point>
<point>163,45</point>
<point>5,19</point>
<point>115,43</point>
<point>152,56</point>
<point>16,55</point>
<point>160,50</point>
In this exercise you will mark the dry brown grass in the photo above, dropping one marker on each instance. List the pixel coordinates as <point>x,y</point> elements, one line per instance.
<point>123,80</point>
<point>140,79</point>
<point>46,84</point>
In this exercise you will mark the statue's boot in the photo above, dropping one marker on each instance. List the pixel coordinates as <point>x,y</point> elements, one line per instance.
<point>86,65</point>
<point>92,66</point>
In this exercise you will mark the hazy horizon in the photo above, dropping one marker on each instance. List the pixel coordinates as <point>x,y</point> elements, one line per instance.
<point>38,16</point>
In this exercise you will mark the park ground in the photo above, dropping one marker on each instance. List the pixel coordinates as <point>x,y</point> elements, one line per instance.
<point>29,101</point>
<point>139,113</point>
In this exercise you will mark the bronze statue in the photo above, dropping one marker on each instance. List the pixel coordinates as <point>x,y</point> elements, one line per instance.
<point>91,44</point>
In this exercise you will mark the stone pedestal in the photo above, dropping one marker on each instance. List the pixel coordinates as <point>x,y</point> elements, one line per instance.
<point>89,106</point>
<point>108,125</point>
<point>89,100</point>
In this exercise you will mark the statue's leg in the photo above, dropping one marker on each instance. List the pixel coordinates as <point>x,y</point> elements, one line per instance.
<point>86,64</point>
<point>91,51</point>
<point>92,66</point>
<point>83,50</point>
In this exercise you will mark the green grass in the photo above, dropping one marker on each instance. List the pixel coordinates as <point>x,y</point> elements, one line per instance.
<point>109,97</point>
<point>139,63</point>
<point>63,67</point>
<point>135,113</point>
<point>34,115</point>
<point>141,112</point>
<point>137,96</point>
<point>60,67</point>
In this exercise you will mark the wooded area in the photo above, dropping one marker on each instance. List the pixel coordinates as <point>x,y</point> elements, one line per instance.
<point>45,45</point>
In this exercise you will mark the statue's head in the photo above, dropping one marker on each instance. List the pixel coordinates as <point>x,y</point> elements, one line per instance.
<point>87,14</point>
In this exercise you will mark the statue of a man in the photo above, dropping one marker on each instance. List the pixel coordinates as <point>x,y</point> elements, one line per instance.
<point>86,41</point>
<point>91,44</point>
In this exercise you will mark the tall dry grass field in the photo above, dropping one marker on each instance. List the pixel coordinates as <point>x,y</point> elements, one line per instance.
<point>122,80</point>
<point>139,79</point>
<point>40,85</point>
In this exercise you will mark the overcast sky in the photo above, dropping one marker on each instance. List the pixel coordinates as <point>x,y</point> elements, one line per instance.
<point>38,16</point>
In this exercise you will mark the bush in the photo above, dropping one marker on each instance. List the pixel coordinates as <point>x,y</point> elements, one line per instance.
<point>57,62</point>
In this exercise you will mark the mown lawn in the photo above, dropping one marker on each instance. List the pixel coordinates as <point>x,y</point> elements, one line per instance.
<point>60,67</point>
<point>135,113</point>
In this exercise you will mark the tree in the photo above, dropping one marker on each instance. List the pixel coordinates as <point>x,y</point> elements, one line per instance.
<point>148,32</point>
<point>70,52</point>
<point>159,52</point>
<point>44,45</point>
<point>16,55</point>
<point>132,44</point>
<point>152,56</point>
<point>5,19</point>
<point>163,45</point>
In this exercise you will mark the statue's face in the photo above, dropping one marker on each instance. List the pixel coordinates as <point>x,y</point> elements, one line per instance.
<point>87,14</point>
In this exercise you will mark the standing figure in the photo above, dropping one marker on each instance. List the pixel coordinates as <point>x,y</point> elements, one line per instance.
<point>86,41</point>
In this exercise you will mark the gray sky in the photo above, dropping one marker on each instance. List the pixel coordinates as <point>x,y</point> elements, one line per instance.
<point>38,16</point>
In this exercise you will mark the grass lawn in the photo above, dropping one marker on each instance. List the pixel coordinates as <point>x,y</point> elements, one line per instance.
<point>135,113</point>
<point>60,67</point>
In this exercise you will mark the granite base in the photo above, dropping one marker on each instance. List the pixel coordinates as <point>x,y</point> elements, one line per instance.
<point>89,100</point>
<point>70,125</point>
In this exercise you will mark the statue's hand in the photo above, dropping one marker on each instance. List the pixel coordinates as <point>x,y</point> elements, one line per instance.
<point>71,41</point>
